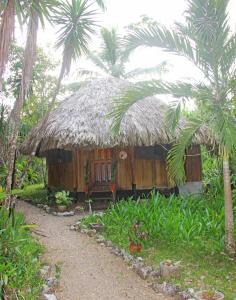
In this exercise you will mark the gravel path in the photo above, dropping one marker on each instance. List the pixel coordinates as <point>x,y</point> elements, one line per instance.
<point>89,271</point>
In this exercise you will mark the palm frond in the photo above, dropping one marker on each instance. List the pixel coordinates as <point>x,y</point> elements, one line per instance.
<point>156,70</point>
<point>147,89</point>
<point>160,36</point>
<point>223,125</point>
<point>177,155</point>
<point>95,58</point>
<point>111,46</point>
<point>101,4</point>
<point>76,25</point>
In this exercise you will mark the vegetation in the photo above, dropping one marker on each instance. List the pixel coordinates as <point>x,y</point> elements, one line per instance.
<point>206,40</point>
<point>19,259</point>
<point>113,58</point>
<point>190,230</point>
<point>63,198</point>
<point>36,193</point>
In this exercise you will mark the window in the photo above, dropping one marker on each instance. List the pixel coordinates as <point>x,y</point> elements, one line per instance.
<point>157,152</point>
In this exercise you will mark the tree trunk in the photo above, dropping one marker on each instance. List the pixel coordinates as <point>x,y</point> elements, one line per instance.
<point>229,218</point>
<point>6,34</point>
<point>29,59</point>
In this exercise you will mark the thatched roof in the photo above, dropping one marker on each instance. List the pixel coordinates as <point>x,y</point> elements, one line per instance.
<point>81,121</point>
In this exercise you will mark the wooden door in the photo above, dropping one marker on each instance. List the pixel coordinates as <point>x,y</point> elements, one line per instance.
<point>101,170</point>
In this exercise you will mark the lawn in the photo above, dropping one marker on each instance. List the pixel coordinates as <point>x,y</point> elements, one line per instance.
<point>36,193</point>
<point>190,230</point>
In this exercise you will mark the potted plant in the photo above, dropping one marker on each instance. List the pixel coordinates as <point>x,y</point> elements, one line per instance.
<point>62,200</point>
<point>209,295</point>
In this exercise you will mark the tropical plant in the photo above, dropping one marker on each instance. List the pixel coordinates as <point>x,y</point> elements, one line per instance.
<point>76,23</point>
<point>19,259</point>
<point>207,41</point>
<point>63,198</point>
<point>34,12</point>
<point>113,58</point>
<point>24,10</point>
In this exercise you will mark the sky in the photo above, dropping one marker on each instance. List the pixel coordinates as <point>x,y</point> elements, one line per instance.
<point>121,13</point>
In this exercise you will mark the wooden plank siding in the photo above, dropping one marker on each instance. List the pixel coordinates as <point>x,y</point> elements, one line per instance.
<point>145,173</point>
<point>193,165</point>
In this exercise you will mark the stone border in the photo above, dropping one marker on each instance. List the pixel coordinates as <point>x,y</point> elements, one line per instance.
<point>137,264</point>
<point>49,274</point>
<point>49,210</point>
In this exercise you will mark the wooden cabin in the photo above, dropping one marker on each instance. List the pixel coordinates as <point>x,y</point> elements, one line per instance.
<point>84,156</point>
<point>130,169</point>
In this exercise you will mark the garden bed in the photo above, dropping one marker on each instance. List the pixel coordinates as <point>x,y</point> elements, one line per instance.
<point>189,231</point>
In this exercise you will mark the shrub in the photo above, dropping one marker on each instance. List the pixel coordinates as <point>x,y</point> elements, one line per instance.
<point>195,221</point>
<point>62,198</point>
<point>19,259</point>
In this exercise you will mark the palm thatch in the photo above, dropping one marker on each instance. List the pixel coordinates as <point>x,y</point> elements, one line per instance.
<point>82,121</point>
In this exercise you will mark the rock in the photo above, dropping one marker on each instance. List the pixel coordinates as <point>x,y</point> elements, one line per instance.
<point>40,205</point>
<point>116,251</point>
<point>136,266</point>
<point>84,231</point>
<point>154,274</point>
<point>51,281</point>
<point>72,227</point>
<point>128,258</point>
<point>48,209</point>
<point>97,226</point>
<point>44,271</point>
<point>91,232</point>
<point>54,213</point>
<point>66,214</point>
<point>143,272</point>
<point>188,294</point>
<point>46,289</point>
<point>100,239</point>
<point>168,269</point>
<point>108,243</point>
<point>139,258</point>
<point>49,297</point>
<point>165,288</point>
<point>124,253</point>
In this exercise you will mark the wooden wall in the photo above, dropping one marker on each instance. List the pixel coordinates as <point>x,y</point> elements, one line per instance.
<point>193,165</point>
<point>145,173</point>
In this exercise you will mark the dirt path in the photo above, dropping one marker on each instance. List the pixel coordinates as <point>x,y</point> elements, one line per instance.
<point>89,271</point>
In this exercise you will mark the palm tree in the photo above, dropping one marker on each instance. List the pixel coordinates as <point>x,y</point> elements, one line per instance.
<point>35,11</point>
<point>76,21</point>
<point>208,43</point>
<point>7,22</point>
<point>113,58</point>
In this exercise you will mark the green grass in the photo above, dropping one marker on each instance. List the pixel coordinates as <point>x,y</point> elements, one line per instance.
<point>190,230</point>
<point>36,193</point>
<point>19,260</point>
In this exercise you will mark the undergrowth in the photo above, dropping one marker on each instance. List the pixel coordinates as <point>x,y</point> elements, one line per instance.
<point>19,259</point>
<point>188,229</point>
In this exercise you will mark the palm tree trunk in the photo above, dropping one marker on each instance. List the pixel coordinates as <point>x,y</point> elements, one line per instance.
<point>6,33</point>
<point>229,218</point>
<point>29,59</point>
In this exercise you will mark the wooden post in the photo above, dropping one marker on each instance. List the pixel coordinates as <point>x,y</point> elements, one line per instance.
<point>133,173</point>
